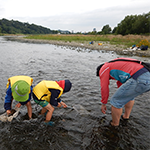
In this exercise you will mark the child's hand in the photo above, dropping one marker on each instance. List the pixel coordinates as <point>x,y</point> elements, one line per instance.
<point>8,112</point>
<point>63,104</point>
<point>18,105</point>
<point>59,105</point>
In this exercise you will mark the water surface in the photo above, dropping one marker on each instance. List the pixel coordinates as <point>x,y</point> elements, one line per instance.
<point>72,130</point>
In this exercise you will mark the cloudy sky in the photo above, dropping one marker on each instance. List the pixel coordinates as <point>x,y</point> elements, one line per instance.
<point>76,15</point>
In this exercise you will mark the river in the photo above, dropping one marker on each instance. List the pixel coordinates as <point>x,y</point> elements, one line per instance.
<point>73,130</point>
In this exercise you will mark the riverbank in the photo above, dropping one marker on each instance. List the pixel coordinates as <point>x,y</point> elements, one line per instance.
<point>119,49</point>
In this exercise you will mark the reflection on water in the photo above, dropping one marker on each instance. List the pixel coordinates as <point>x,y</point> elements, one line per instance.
<point>72,130</point>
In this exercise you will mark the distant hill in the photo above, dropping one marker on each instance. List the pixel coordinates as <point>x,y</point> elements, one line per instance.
<point>16,27</point>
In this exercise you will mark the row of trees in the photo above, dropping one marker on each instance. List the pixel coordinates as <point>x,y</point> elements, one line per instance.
<point>133,24</point>
<point>16,27</point>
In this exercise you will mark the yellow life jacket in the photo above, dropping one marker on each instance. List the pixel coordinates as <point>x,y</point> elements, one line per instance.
<point>41,90</point>
<point>14,79</point>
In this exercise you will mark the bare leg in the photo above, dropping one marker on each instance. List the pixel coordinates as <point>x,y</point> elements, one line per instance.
<point>43,110</point>
<point>116,114</point>
<point>128,108</point>
<point>50,109</point>
<point>29,108</point>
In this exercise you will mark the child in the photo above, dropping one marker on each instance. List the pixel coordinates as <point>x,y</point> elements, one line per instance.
<point>47,94</point>
<point>19,88</point>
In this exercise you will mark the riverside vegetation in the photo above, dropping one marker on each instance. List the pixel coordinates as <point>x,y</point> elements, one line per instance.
<point>118,43</point>
<point>127,40</point>
<point>110,42</point>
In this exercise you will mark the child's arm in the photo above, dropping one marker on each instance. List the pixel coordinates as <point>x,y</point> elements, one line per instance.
<point>54,94</point>
<point>8,100</point>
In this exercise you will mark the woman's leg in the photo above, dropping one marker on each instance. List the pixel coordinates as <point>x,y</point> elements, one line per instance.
<point>128,109</point>
<point>116,114</point>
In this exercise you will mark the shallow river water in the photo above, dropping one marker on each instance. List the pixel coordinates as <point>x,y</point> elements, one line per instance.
<point>73,130</point>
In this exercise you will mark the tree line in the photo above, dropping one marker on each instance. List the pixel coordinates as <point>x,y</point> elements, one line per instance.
<point>16,27</point>
<point>133,24</point>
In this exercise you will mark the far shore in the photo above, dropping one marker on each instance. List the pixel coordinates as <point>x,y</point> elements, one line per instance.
<point>105,45</point>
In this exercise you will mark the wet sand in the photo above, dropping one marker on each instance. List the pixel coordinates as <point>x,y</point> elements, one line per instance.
<point>105,46</point>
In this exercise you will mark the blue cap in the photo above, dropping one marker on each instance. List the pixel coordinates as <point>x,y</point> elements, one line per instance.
<point>68,86</point>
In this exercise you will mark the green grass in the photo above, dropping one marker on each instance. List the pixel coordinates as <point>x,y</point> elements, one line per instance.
<point>127,40</point>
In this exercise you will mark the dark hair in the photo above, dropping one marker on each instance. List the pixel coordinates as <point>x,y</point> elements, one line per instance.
<point>98,69</point>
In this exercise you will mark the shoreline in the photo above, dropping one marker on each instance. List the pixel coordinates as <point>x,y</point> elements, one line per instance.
<point>105,46</point>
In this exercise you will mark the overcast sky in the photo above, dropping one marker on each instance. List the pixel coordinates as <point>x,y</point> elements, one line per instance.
<point>76,15</point>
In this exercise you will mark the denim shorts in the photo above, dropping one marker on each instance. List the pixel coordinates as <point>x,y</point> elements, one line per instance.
<point>42,103</point>
<point>131,89</point>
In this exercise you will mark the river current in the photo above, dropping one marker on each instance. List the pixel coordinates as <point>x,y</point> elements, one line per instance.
<point>73,130</point>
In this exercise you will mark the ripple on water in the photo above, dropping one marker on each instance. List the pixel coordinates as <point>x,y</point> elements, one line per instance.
<point>72,130</point>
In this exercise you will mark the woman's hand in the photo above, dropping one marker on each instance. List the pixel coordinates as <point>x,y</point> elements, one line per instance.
<point>103,108</point>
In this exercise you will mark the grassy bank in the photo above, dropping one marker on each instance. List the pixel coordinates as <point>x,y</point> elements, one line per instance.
<point>119,44</point>
<point>127,40</point>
